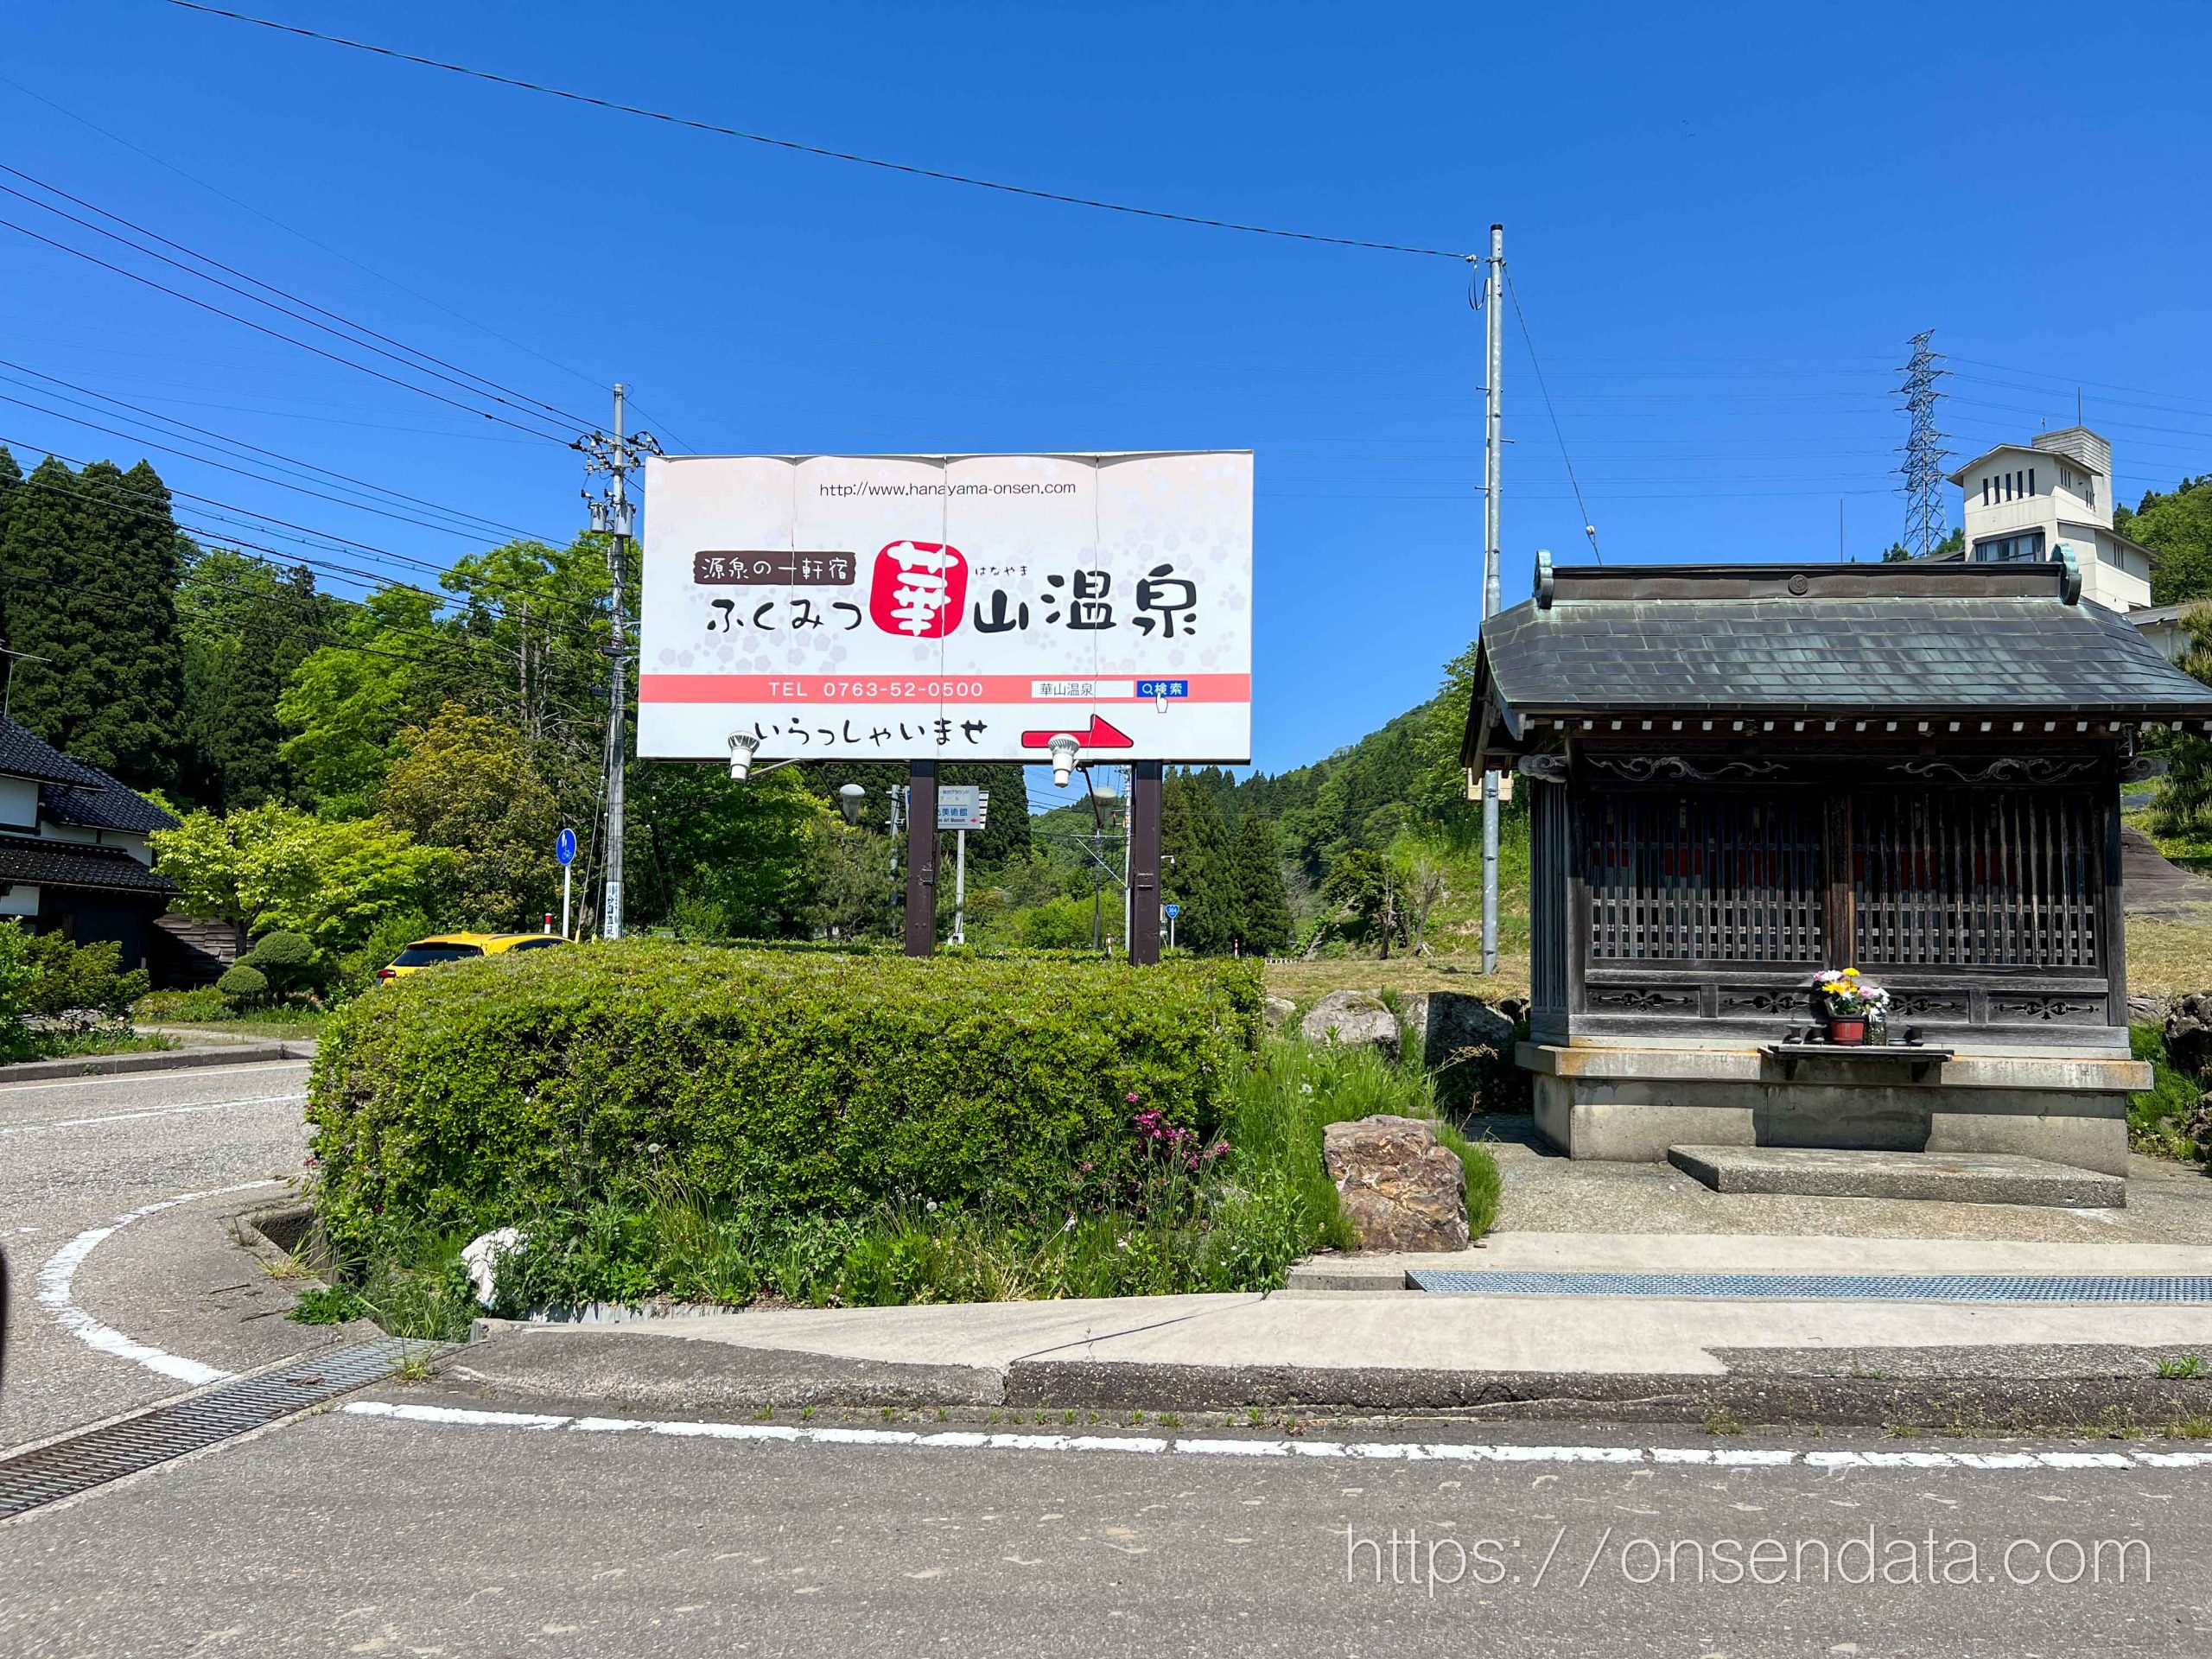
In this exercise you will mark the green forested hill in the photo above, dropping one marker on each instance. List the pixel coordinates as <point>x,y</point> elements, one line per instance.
<point>2177,525</point>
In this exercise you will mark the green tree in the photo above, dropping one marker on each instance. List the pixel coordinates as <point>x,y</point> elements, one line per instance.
<point>246,626</point>
<point>11,476</point>
<point>467,783</point>
<point>93,559</point>
<point>849,881</point>
<point>1362,887</point>
<point>276,867</point>
<point>1263,920</point>
<point>2177,526</point>
<point>346,704</point>
<point>1202,876</point>
<point>47,617</point>
<point>2183,805</point>
<point>743,849</point>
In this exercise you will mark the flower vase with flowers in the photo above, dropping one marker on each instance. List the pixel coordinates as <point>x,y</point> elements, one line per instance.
<point>1849,1003</point>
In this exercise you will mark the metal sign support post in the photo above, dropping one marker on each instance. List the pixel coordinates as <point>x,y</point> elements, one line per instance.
<point>1493,480</point>
<point>960,886</point>
<point>1145,789</point>
<point>568,878</point>
<point>921,858</point>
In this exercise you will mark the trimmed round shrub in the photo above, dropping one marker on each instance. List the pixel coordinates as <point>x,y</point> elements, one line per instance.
<point>282,951</point>
<point>243,984</point>
<point>786,1081</point>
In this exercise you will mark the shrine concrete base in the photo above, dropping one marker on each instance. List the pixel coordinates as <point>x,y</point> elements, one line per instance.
<point>1631,1104</point>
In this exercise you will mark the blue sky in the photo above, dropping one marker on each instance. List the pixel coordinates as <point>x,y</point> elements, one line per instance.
<point>1723,223</point>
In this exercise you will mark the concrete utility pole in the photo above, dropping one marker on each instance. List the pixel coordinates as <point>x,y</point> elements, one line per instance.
<point>617,456</point>
<point>1493,479</point>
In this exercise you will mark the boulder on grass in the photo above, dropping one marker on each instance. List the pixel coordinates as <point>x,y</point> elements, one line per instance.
<point>1355,1018</point>
<point>1462,1039</point>
<point>2189,1032</point>
<point>1401,1190</point>
<point>1277,1010</point>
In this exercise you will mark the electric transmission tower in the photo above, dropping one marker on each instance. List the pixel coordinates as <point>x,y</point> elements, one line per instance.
<point>1924,454</point>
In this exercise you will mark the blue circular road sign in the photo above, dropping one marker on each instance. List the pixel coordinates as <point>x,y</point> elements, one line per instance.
<point>564,846</point>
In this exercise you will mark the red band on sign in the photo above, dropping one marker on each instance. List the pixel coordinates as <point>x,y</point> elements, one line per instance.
<point>932,688</point>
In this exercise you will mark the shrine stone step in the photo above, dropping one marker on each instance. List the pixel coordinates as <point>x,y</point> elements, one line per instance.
<point>1959,1177</point>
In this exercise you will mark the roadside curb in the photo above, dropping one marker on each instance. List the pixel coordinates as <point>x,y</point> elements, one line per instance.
<point>1972,1403</point>
<point>1995,1391</point>
<point>166,1060</point>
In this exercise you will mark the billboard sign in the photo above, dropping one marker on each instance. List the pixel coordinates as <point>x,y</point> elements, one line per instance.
<point>969,607</point>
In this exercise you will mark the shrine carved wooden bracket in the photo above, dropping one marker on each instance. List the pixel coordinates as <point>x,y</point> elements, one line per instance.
<point>1544,768</point>
<point>2004,769</point>
<point>1678,768</point>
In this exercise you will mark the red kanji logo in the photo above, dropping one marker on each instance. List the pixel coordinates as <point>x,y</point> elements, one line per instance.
<point>920,589</point>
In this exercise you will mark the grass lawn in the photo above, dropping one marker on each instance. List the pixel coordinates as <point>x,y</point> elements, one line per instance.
<point>79,1044</point>
<point>2168,958</point>
<point>1306,982</point>
<point>2163,959</point>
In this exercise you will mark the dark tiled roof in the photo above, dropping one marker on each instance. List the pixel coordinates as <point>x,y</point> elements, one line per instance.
<point>112,807</point>
<point>25,754</point>
<point>63,864</point>
<point>1905,639</point>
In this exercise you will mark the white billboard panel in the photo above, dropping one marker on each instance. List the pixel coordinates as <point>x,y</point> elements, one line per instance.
<point>969,607</point>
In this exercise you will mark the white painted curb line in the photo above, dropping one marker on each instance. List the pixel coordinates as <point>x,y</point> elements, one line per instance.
<point>1400,1451</point>
<point>53,1294</point>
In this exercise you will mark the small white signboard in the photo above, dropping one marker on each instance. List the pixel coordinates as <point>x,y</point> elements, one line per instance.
<point>959,806</point>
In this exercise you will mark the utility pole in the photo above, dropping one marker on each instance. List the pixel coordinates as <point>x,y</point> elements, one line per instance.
<point>617,456</point>
<point>1493,480</point>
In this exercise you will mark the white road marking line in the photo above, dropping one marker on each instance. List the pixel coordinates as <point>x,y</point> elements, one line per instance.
<point>151,1111</point>
<point>195,1072</point>
<point>1148,1445</point>
<point>54,1282</point>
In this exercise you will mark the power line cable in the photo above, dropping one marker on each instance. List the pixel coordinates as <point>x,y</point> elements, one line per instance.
<point>227,466</point>
<point>792,144</point>
<point>274,333</point>
<point>290,229</point>
<point>492,526</point>
<point>1589,529</point>
<point>451,599</point>
<point>430,363</point>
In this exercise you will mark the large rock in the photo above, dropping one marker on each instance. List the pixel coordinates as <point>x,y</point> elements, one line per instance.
<point>1277,1010</point>
<point>1461,1039</point>
<point>1442,1025</point>
<point>1355,1018</point>
<point>2189,1032</point>
<point>1402,1191</point>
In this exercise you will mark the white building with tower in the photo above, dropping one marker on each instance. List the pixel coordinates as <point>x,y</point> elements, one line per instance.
<point>2026,502</point>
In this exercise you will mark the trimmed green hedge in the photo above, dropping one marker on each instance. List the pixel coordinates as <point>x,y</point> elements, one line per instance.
<point>477,1091</point>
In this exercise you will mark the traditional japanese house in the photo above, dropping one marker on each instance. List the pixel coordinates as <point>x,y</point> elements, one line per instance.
<point>1742,775</point>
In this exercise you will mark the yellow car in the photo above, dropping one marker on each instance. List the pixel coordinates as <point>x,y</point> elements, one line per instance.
<point>457,947</point>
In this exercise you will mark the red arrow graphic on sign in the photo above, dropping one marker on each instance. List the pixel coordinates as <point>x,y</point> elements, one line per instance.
<point>1100,736</point>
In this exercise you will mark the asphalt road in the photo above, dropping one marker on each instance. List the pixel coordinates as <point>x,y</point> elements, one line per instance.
<point>348,1533</point>
<point>79,1154</point>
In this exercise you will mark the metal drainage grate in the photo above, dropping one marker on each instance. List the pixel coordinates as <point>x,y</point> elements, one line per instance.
<point>64,1468</point>
<point>1828,1286</point>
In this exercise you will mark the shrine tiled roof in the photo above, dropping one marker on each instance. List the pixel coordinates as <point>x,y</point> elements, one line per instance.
<point>1921,639</point>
